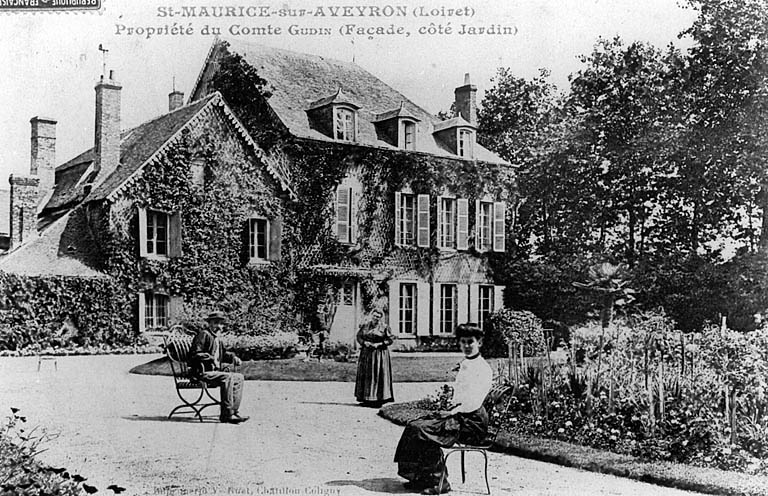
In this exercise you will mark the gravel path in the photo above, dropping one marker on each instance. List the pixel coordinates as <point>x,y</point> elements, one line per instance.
<point>303,438</point>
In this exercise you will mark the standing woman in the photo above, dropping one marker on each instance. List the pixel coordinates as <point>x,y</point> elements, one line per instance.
<point>373,386</point>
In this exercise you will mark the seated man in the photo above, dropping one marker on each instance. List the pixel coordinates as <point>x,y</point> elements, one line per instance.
<point>418,455</point>
<point>206,361</point>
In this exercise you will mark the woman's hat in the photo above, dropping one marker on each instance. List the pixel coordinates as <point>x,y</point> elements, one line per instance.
<point>217,315</point>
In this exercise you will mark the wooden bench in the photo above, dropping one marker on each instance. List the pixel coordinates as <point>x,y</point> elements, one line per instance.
<point>194,394</point>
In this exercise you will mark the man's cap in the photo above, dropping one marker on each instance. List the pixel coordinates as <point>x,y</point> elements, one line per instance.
<point>217,315</point>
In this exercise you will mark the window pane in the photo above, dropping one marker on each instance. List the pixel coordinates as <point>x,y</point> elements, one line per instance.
<point>407,307</point>
<point>408,212</point>
<point>261,238</point>
<point>409,131</point>
<point>161,305</point>
<point>447,308</point>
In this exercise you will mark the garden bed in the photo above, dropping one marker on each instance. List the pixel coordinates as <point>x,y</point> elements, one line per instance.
<point>705,480</point>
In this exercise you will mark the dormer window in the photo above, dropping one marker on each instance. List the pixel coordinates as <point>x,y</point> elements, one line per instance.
<point>456,135</point>
<point>344,124</point>
<point>464,143</point>
<point>335,116</point>
<point>398,127</point>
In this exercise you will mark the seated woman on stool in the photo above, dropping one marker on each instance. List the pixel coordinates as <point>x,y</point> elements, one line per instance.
<point>418,455</point>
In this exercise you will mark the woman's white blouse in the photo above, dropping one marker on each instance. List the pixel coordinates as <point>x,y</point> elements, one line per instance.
<point>472,385</point>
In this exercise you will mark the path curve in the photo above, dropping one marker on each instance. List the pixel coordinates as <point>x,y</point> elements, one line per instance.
<point>303,438</point>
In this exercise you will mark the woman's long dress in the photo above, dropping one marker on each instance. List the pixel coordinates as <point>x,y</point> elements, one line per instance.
<point>374,367</point>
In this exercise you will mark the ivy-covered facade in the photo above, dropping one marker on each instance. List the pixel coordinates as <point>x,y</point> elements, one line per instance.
<point>395,208</point>
<point>293,192</point>
<point>182,216</point>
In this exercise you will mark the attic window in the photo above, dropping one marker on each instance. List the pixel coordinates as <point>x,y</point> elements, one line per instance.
<point>464,143</point>
<point>408,135</point>
<point>344,124</point>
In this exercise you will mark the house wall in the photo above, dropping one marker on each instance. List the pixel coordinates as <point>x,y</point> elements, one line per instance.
<point>211,269</point>
<point>376,177</point>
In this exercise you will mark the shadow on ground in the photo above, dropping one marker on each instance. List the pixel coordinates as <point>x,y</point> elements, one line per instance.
<point>164,418</point>
<point>382,485</point>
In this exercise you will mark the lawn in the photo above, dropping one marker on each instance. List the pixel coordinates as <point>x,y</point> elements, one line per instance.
<point>405,368</point>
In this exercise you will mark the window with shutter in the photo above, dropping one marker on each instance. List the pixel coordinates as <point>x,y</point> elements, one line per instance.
<point>446,213</point>
<point>448,308</point>
<point>485,305</point>
<point>155,240</point>
<point>484,226</point>
<point>405,219</point>
<point>407,308</point>
<point>154,310</point>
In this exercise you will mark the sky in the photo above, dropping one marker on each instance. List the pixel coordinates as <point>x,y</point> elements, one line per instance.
<point>50,62</point>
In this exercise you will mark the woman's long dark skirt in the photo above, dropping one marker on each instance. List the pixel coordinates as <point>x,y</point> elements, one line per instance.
<point>374,376</point>
<point>418,454</point>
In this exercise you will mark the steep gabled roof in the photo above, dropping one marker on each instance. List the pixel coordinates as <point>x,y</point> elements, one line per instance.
<point>64,248</point>
<point>139,146</point>
<point>296,81</point>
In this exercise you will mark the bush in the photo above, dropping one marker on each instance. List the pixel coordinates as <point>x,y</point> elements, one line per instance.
<point>516,328</point>
<point>266,347</point>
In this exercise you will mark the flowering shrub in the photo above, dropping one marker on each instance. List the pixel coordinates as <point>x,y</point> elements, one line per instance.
<point>695,398</point>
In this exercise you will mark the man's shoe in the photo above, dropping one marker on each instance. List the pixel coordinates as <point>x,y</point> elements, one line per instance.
<point>415,485</point>
<point>232,419</point>
<point>240,418</point>
<point>438,490</point>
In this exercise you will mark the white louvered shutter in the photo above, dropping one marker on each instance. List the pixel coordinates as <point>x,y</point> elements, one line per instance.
<point>142,234</point>
<point>398,219</point>
<point>422,309</point>
<point>342,213</point>
<point>440,214</point>
<point>422,239</point>
<point>394,306</point>
<point>462,313</point>
<point>142,312</point>
<point>462,224</point>
<point>499,215</point>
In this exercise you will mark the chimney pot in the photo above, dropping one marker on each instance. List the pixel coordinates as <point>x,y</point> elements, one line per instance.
<point>465,101</point>
<point>175,100</point>
<point>23,221</point>
<point>107,128</point>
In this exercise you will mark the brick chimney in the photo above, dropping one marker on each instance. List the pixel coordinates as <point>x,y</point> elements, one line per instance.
<point>465,101</point>
<point>175,100</point>
<point>107,135</point>
<point>24,196</point>
<point>43,155</point>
